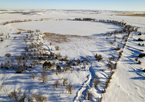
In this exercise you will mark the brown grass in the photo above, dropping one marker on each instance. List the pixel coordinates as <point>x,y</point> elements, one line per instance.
<point>21,29</point>
<point>136,15</point>
<point>55,37</point>
<point>60,38</point>
<point>42,19</point>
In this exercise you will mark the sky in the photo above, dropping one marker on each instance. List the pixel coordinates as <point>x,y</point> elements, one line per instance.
<point>121,5</point>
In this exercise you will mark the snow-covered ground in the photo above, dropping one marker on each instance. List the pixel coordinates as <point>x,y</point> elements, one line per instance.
<point>65,27</point>
<point>127,83</point>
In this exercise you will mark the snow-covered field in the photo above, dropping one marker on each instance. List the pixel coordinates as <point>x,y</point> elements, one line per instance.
<point>70,46</point>
<point>65,27</point>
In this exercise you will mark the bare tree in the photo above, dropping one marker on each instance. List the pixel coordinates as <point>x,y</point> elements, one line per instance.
<point>43,77</point>
<point>69,88</point>
<point>56,83</point>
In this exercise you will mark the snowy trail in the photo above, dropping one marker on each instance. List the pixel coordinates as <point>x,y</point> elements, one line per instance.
<point>87,85</point>
<point>83,88</point>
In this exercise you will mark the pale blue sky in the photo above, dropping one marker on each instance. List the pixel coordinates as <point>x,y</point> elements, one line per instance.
<point>127,5</point>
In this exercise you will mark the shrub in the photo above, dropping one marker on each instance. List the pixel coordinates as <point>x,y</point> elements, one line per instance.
<point>115,66</point>
<point>69,88</point>
<point>33,75</point>
<point>96,81</point>
<point>139,33</point>
<point>141,50</point>
<point>124,45</point>
<point>88,95</point>
<point>17,96</point>
<point>139,62</point>
<point>58,56</point>
<point>88,19</point>
<point>30,31</point>
<point>18,32</point>
<point>111,58</point>
<point>2,65</point>
<point>143,70</point>
<point>110,66</point>
<point>8,55</point>
<point>78,19</point>
<point>136,59</point>
<point>98,57</point>
<point>37,98</point>
<point>78,69</point>
<point>1,34</point>
<point>47,65</point>
<point>1,39</point>
<point>65,58</point>
<point>114,40</point>
<point>104,91</point>
<point>141,55</point>
<point>57,48</point>
<point>58,68</point>
<point>100,100</point>
<point>37,30</point>
<point>15,37</point>
<point>56,83</point>
<point>111,42</point>
<point>66,68</point>
<point>25,48</point>
<point>43,77</point>
<point>117,48</point>
<point>139,39</point>
<point>64,82</point>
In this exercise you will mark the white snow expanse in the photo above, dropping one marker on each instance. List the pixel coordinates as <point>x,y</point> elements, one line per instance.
<point>65,27</point>
<point>127,84</point>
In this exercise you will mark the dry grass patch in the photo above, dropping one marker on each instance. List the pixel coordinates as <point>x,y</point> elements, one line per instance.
<point>42,19</point>
<point>60,38</point>
<point>21,29</point>
<point>136,15</point>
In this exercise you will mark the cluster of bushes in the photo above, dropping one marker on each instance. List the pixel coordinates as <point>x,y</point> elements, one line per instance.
<point>140,56</point>
<point>17,21</point>
<point>141,44</point>
<point>78,19</point>
<point>23,97</point>
<point>34,52</point>
<point>85,19</point>
<point>138,61</point>
<point>111,65</point>
<point>98,57</point>
<point>17,96</point>
<point>64,64</point>
<point>107,82</point>
<point>64,83</point>
<point>25,20</point>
